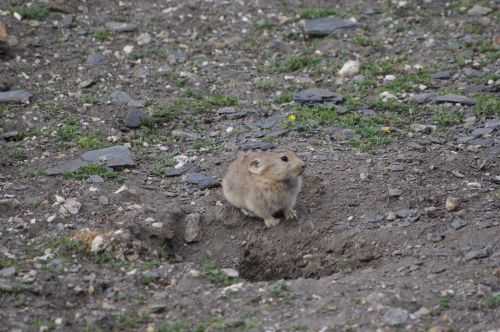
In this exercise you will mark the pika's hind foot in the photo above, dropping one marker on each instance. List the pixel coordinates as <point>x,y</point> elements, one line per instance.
<point>271,222</point>
<point>290,214</point>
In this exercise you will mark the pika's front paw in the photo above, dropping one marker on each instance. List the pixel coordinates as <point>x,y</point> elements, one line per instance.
<point>290,214</point>
<point>271,222</point>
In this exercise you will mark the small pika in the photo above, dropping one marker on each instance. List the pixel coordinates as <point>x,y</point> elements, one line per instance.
<point>264,184</point>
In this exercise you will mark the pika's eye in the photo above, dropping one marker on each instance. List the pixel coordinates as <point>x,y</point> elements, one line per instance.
<point>284,158</point>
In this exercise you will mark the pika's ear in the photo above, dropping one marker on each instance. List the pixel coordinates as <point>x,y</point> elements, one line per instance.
<point>256,167</point>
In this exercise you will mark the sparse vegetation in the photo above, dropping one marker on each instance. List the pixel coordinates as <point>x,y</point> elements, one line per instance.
<point>91,142</point>
<point>493,301</point>
<point>487,105</point>
<point>296,63</point>
<point>69,131</point>
<point>33,12</point>
<point>161,165</point>
<point>445,118</point>
<point>103,35</point>
<point>310,13</point>
<point>215,275</point>
<point>369,131</point>
<point>86,171</point>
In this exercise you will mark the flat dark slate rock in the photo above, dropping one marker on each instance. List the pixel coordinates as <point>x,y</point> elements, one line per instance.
<point>317,96</point>
<point>173,172</point>
<point>121,26</point>
<point>15,96</point>
<point>113,157</point>
<point>325,26</point>
<point>458,223</point>
<point>202,181</point>
<point>495,124</point>
<point>454,99</point>
<point>481,132</point>
<point>96,59</point>
<point>441,75</point>
<point>422,98</point>
<point>264,146</point>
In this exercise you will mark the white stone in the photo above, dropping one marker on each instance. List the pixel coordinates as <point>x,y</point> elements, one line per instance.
<point>350,68</point>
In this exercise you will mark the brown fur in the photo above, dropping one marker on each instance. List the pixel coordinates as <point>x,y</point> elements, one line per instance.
<point>264,184</point>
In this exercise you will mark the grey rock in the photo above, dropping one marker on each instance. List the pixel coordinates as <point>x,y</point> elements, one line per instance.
<point>96,59</point>
<point>176,57</point>
<point>395,192</point>
<point>270,122</point>
<point>67,166</point>
<point>8,272</point>
<point>70,206</point>
<point>374,218</point>
<point>404,213</point>
<point>321,27</point>
<point>396,316</point>
<point>232,273</point>
<point>15,96</point>
<point>173,172</point>
<point>12,135</point>
<point>495,124</point>
<point>469,72</point>
<point>135,118</point>
<point>367,112</point>
<point>87,83</point>
<point>103,200</point>
<point>478,10</point>
<point>230,113</point>
<point>201,180</point>
<point>136,103</point>
<point>143,39</point>
<point>454,99</point>
<point>67,21</point>
<point>477,254</point>
<point>277,133</point>
<point>9,204</point>
<point>264,146</point>
<point>458,223</point>
<point>95,179</point>
<point>422,98</point>
<point>120,98</point>
<point>342,134</point>
<point>481,132</point>
<point>115,157</point>
<point>56,264</point>
<point>121,26</point>
<point>317,96</point>
<point>442,75</point>
<point>421,128</point>
<point>8,286</point>
<point>192,231</point>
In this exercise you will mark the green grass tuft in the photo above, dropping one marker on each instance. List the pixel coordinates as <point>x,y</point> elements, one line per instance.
<point>215,275</point>
<point>295,63</point>
<point>311,13</point>
<point>35,12</point>
<point>103,35</point>
<point>487,105</point>
<point>84,172</point>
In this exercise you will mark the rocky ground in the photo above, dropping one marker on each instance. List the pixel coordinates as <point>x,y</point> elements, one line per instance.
<point>394,105</point>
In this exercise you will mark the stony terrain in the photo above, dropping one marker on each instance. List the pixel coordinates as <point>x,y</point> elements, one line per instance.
<point>394,105</point>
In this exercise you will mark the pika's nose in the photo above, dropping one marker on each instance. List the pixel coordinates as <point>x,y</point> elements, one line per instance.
<point>302,168</point>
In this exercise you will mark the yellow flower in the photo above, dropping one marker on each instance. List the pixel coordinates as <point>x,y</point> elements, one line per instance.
<point>387,130</point>
<point>292,117</point>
